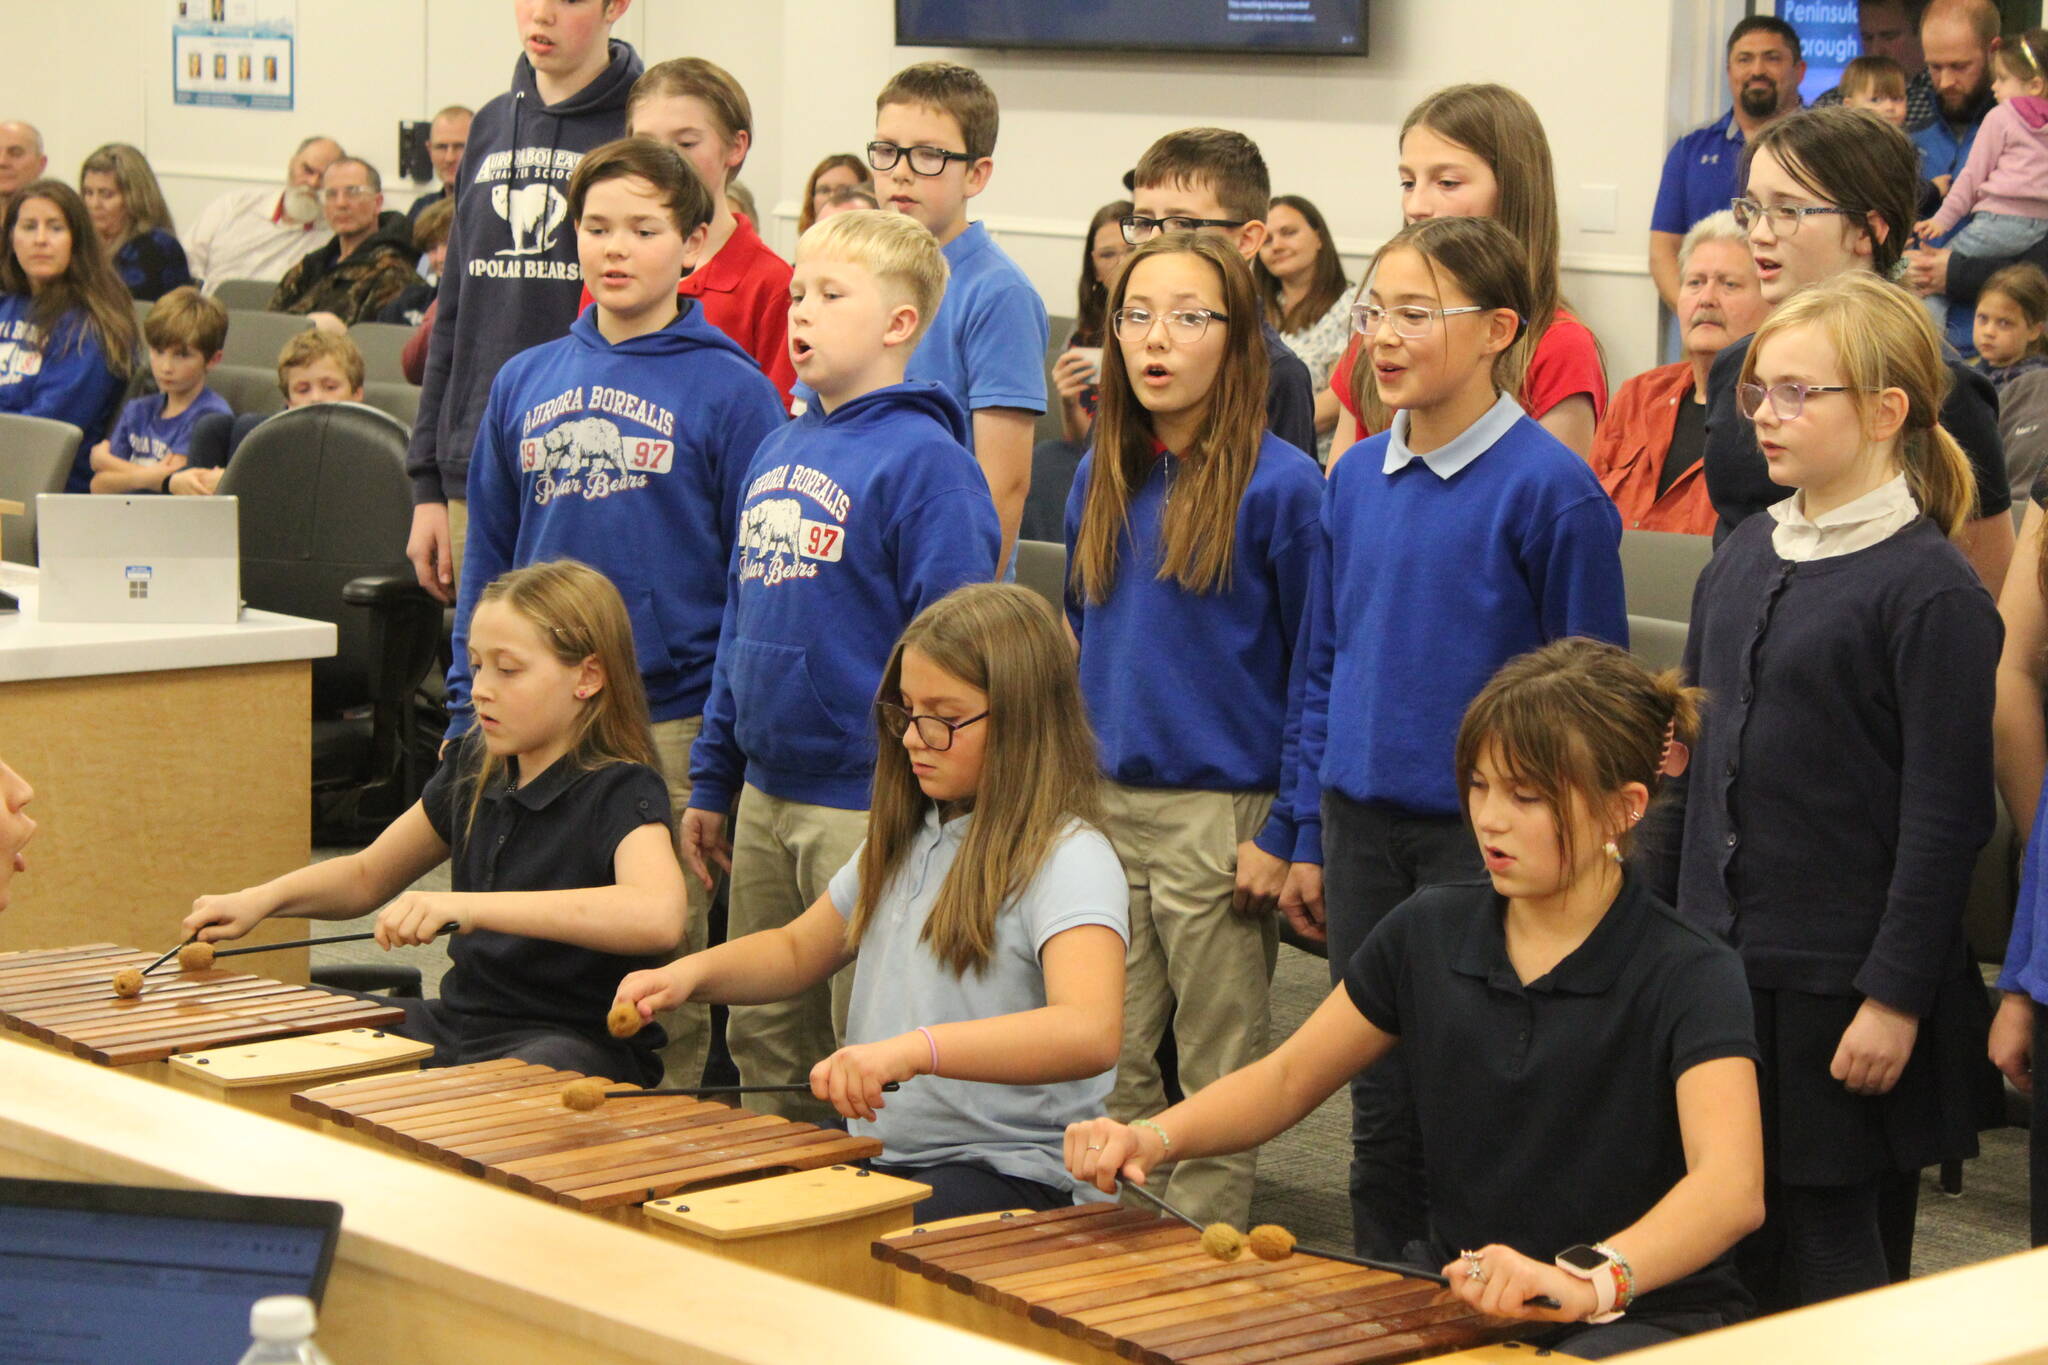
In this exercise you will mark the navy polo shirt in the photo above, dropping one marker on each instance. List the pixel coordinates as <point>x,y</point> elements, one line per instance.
<point>1699,176</point>
<point>557,833</point>
<point>1549,1110</point>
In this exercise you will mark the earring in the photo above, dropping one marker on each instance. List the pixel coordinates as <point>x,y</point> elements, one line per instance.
<point>1634,816</point>
<point>582,694</point>
<point>1612,850</point>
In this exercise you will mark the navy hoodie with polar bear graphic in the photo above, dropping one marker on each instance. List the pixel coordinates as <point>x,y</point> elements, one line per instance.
<point>630,458</point>
<point>511,280</point>
<point>851,523</point>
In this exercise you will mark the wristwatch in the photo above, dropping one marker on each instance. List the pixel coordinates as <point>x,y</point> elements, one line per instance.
<point>1596,1266</point>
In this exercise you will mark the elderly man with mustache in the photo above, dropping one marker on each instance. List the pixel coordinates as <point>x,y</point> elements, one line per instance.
<point>1764,70</point>
<point>1647,450</point>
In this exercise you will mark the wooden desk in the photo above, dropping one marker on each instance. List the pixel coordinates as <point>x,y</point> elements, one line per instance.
<point>168,762</point>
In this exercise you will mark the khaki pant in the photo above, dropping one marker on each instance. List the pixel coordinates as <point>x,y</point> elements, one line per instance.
<point>688,1026</point>
<point>1192,962</point>
<point>784,855</point>
<point>458,540</point>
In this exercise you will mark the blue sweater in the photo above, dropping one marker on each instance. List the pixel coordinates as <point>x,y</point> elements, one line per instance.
<point>1424,587</point>
<point>629,458</point>
<point>1189,689</point>
<point>850,524</point>
<point>67,379</point>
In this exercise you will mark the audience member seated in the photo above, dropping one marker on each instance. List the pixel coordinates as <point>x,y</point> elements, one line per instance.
<point>446,137</point>
<point>430,238</point>
<point>128,212</point>
<point>849,199</point>
<point>1765,66</point>
<point>367,265</point>
<point>1307,300</point>
<point>1079,366</point>
<point>260,234</point>
<point>2012,314</point>
<point>151,448</point>
<point>840,171</point>
<point>67,327</point>
<point>1647,450</point>
<point>315,366</point>
<point>1958,37</point>
<point>1877,84</point>
<point>21,156</point>
<point>1891,29</point>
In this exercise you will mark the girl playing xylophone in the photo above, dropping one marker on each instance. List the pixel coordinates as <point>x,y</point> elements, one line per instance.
<point>987,920</point>
<point>1583,1059</point>
<point>555,820</point>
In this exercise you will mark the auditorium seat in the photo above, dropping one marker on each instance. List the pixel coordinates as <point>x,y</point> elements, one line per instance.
<point>36,455</point>
<point>255,338</point>
<point>253,295</point>
<point>1658,643</point>
<point>1658,570</point>
<point>1042,567</point>
<point>247,388</point>
<point>381,344</point>
<point>397,398</point>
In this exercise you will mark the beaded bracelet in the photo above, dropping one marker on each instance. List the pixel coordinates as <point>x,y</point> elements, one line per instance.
<point>1165,1142</point>
<point>1624,1276</point>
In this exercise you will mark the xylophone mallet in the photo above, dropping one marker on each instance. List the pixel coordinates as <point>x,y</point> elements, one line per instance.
<point>195,956</point>
<point>591,1092</point>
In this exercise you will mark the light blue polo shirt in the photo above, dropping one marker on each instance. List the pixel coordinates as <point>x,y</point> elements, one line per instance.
<point>987,344</point>
<point>1699,176</point>
<point>1017,1130</point>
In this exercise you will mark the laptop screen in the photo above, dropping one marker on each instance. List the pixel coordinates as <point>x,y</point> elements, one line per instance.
<point>93,1273</point>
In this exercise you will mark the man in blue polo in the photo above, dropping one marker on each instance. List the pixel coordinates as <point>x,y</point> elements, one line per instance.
<point>1764,70</point>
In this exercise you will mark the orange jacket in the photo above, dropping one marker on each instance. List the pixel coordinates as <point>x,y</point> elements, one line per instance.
<point>1629,450</point>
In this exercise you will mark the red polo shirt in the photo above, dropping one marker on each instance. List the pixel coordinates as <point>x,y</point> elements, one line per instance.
<point>1629,449</point>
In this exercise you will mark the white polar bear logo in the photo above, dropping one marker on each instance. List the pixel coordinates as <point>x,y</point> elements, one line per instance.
<point>768,529</point>
<point>535,211</point>
<point>588,443</point>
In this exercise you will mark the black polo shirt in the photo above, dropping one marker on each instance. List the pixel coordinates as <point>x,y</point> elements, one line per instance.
<point>557,833</point>
<point>1549,1111</point>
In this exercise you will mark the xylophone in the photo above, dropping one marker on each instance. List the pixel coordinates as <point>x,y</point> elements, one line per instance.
<point>646,1164</point>
<point>64,998</point>
<point>1100,1281</point>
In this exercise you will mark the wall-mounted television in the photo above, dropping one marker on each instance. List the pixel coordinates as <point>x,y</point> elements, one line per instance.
<point>1314,28</point>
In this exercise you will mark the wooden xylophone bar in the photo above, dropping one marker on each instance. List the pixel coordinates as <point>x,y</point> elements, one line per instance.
<point>1127,1282</point>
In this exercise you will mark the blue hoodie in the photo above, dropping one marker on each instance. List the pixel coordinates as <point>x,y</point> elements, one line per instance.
<point>511,280</point>
<point>1189,689</point>
<point>67,381</point>
<point>851,524</point>
<point>629,458</point>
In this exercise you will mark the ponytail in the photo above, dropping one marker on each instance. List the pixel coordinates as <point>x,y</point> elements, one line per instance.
<point>1941,478</point>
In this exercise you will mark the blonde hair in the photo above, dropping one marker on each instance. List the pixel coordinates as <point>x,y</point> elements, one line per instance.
<point>1198,530</point>
<point>954,90</point>
<point>186,317</point>
<point>312,346</point>
<point>1006,642</point>
<point>896,249</point>
<point>1882,339</point>
<point>143,198</point>
<point>1576,715</point>
<point>578,615</point>
<point>695,78</point>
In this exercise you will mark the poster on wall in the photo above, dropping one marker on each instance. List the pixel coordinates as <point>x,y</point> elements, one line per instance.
<point>233,54</point>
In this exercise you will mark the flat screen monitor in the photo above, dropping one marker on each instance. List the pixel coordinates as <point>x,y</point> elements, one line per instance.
<point>1327,28</point>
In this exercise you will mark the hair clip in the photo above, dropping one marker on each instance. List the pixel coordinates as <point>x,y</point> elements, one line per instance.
<point>1673,758</point>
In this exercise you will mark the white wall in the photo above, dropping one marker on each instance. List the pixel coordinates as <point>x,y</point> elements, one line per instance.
<point>1614,84</point>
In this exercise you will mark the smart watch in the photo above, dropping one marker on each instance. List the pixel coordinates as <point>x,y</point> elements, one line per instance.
<point>1594,1265</point>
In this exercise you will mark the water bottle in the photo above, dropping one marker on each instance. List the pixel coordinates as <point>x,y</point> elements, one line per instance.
<point>282,1327</point>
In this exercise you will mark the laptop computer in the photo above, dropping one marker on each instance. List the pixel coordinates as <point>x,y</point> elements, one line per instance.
<point>95,1273</point>
<point>144,560</point>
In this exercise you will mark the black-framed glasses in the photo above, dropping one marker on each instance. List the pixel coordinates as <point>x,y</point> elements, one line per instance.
<point>935,731</point>
<point>1785,218</point>
<point>1409,319</point>
<point>1138,229</point>
<point>1788,399</point>
<point>924,159</point>
<point>1182,324</point>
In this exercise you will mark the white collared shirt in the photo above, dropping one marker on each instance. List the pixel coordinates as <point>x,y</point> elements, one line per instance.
<point>1461,450</point>
<point>1856,525</point>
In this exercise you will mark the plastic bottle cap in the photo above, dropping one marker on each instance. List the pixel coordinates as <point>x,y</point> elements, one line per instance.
<point>281,1317</point>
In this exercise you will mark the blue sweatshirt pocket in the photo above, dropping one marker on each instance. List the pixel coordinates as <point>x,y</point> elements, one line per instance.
<point>650,640</point>
<point>783,721</point>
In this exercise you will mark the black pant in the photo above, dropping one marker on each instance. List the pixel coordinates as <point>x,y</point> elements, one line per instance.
<point>959,1189</point>
<point>1374,857</point>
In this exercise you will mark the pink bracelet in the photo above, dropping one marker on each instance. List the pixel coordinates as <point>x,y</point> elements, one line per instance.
<point>933,1044</point>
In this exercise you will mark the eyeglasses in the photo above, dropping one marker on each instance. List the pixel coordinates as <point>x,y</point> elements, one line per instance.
<point>1788,400</point>
<point>1108,255</point>
<point>1785,218</point>
<point>924,160</point>
<point>1409,319</point>
<point>1138,229</point>
<point>935,731</point>
<point>346,192</point>
<point>1182,324</point>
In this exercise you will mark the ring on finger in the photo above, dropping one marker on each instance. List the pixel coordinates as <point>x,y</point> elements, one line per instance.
<point>1475,1267</point>
<point>1094,1146</point>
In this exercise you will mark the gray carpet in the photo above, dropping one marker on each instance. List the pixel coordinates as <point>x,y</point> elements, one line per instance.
<point>1302,1172</point>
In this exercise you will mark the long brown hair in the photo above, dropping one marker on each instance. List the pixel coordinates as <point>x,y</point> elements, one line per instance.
<point>1883,339</point>
<point>1006,642</point>
<point>1852,160</point>
<point>2027,287</point>
<point>1092,304</point>
<point>142,198</point>
<point>1478,256</point>
<point>838,161</point>
<point>696,78</point>
<point>1198,531</point>
<point>1576,715</point>
<point>578,615</point>
<point>1501,128</point>
<point>1324,288</point>
<point>88,288</point>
